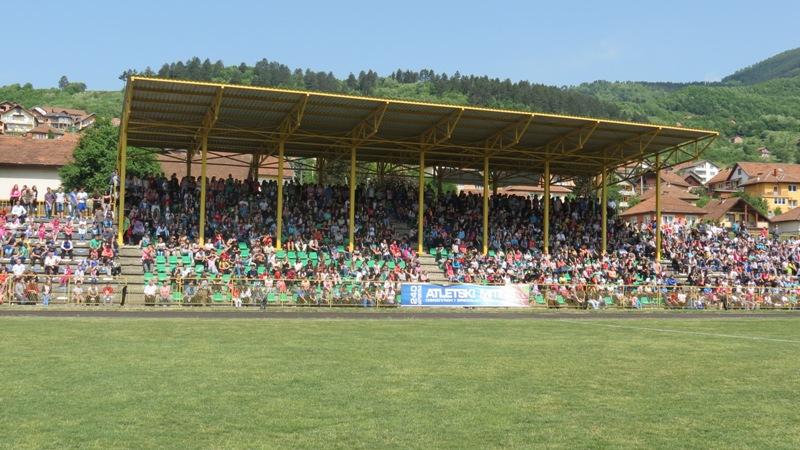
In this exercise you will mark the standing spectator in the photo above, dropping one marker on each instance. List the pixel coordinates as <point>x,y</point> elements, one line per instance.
<point>61,199</point>
<point>14,195</point>
<point>49,203</point>
<point>82,198</point>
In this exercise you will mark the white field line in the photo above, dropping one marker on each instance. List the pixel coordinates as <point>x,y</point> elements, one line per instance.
<point>697,333</point>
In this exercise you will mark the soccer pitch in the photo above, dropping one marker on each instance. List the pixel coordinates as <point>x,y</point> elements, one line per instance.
<point>416,383</point>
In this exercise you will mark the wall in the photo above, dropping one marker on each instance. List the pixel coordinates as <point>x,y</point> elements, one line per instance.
<point>41,177</point>
<point>791,227</point>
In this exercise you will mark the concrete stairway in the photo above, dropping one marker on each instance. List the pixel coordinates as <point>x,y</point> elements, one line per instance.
<point>130,258</point>
<point>428,262</point>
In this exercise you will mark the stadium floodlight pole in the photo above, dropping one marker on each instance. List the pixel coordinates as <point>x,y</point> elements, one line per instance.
<point>546,202</point>
<point>421,205</point>
<point>485,204</point>
<point>351,223</point>
<point>123,160</point>
<point>658,208</point>
<point>279,212</point>
<point>604,209</point>
<point>203,187</point>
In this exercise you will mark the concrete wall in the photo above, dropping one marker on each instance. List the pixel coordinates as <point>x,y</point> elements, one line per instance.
<point>791,227</point>
<point>40,177</point>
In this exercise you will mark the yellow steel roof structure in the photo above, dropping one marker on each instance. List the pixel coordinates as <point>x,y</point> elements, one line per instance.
<point>172,114</point>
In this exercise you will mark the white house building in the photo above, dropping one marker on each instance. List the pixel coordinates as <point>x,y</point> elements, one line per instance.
<point>17,120</point>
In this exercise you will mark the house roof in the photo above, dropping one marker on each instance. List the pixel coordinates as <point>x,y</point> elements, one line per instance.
<point>671,191</point>
<point>673,178</point>
<point>690,164</point>
<point>669,205</point>
<point>68,111</point>
<point>221,166</point>
<point>721,176</point>
<point>22,151</point>
<point>770,172</point>
<point>716,208</point>
<point>789,216</point>
<point>19,107</point>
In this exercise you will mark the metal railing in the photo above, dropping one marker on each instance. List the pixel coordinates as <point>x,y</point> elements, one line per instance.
<point>45,290</point>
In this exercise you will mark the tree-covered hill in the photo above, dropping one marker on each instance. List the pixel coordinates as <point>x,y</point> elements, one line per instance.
<point>765,114</point>
<point>103,103</point>
<point>782,65</point>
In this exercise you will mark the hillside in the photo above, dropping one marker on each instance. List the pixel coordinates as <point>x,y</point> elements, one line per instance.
<point>782,65</point>
<point>764,114</point>
<point>103,103</point>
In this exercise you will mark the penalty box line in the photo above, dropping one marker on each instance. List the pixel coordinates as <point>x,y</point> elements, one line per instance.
<point>696,333</point>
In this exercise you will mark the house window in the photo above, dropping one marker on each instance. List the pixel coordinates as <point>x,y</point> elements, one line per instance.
<point>774,190</point>
<point>780,201</point>
<point>792,188</point>
<point>739,172</point>
<point>793,203</point>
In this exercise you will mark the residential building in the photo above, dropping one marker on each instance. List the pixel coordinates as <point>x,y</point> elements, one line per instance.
<point>673,210</point>
<point>672,191</point>
<point>776,183</point>
<point>17,120</point>
<point>45,132</point>
<point>64,118</point>
<point>6,105</point>
<point>703,170</point>
<point>731,211</point>
<point>33,162</point>
<point>787,223</point>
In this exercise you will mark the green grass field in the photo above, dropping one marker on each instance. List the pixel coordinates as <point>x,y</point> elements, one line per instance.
<point>467,383</point>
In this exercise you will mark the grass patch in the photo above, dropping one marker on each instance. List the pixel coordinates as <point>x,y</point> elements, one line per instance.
<point>374,384</point>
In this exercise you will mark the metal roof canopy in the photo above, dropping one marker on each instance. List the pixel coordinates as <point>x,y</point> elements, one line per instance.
<point>173,114</point>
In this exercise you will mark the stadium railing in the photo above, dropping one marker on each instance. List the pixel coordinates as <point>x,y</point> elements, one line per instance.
<point>224,290</point>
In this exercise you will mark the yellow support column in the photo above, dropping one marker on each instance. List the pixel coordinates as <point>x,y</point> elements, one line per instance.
<point>485,205</point>
<point>123,163</point>
<point>203,187</point>
<point>279,212</point>
<point>546,200</point>
<point>604,210</point>
<point>658,208</point>
<point>351,223</point>
<point>421,205</point>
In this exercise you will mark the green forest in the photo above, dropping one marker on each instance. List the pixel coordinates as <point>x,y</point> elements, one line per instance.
<point>760,104</point>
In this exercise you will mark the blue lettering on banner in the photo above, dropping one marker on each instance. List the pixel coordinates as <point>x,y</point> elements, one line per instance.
<point>462,295</point>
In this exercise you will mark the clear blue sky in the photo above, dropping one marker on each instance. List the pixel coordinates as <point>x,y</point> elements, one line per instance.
<point>557,42</point>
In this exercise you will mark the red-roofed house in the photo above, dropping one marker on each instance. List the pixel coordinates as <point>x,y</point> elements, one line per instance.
<point>673,209</point>
<point>33,162</point>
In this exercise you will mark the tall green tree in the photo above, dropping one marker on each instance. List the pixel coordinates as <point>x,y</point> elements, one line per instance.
<point>95,159</point>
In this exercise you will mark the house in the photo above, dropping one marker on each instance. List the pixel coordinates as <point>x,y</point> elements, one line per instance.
<point>719,184</point>
<point>223,165</point>
<point>45,132</point>
<point>673,209</point>
<point>734,210</point>
<point>787,223</point>
<point>33,162</point>
<point>17,120</point>
<point>702,170</point>
<point>737,139</point>
<point>776,183</point>
<point>64,118</point>
<point>764,152</point>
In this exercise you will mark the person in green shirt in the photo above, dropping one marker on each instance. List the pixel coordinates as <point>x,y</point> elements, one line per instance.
<point>94,244</point>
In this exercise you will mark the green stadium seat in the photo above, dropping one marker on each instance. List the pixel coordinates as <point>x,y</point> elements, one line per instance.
<point>280,254</point>
<point>160,259</point>
<point>177,296</point>
<point>173,260</point>
<point>217,297</point>
<point>272,297</point>
<point>539,299</point>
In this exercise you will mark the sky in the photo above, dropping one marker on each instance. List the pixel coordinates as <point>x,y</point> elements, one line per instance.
<point>557,42</point>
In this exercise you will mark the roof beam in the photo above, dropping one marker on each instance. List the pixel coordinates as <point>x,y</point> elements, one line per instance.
<point>291,122</point>
<point>501,139</point>
<point>442,130</point>
<point>210,118</point>
<point>369,126</point>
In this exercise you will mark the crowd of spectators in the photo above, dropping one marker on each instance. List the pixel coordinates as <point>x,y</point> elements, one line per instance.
<point>62,248</point>
<point>240,260</point>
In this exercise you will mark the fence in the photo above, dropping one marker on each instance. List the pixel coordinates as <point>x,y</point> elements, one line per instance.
<point>228,290</point>
<point>59,289</point>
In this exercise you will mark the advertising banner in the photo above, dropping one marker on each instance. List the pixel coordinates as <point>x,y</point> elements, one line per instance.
<point>464,295</point>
